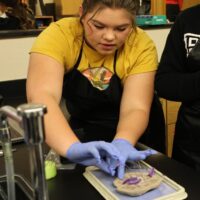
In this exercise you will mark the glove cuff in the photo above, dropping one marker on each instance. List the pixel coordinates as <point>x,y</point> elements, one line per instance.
<point>122,141</point>
<point>68,152</point>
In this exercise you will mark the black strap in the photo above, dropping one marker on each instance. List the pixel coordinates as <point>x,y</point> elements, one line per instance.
<point>80,56</point>
<point>115,61</point>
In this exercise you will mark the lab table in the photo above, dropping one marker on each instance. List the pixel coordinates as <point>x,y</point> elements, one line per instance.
<point>70,184</point>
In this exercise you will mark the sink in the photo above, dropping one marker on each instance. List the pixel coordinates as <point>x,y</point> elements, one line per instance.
<point>23,189</point>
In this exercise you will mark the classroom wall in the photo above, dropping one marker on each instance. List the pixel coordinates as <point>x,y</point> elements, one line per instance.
<point>14,55</point>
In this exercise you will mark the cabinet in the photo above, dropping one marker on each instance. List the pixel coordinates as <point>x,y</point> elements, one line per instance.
<point>71,8</point>
<point>170,109</point>
<point>158,7</point>
<point>67,7</point>
<point>43,21</point>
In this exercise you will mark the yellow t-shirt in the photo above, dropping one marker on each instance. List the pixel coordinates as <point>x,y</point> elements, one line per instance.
<point>62,41</point>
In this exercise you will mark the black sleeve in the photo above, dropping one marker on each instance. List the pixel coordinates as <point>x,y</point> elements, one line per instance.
<point>173,79</point>
<point>10,23</point>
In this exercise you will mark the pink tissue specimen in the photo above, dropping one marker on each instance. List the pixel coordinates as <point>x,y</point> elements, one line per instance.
<point>151,172</point>
<point>132,180</point>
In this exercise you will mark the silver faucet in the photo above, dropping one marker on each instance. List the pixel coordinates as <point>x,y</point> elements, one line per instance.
<point>31,118</point>
<point>8,158</point>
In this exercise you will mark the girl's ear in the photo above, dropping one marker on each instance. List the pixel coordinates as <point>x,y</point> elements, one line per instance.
<point>80,11</point>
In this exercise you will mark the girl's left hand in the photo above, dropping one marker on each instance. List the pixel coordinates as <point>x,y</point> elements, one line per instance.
<point>128,153</point>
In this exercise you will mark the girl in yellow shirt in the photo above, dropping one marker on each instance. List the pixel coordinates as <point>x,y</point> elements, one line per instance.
<point>104,66</point>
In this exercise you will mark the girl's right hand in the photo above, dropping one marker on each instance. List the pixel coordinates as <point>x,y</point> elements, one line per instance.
<point>94,153</point>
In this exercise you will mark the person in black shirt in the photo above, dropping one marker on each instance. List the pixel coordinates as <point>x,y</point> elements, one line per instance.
<point>15,14</point>
<point>178,79</point>
<point>7,20</point>
<point>22,11</point>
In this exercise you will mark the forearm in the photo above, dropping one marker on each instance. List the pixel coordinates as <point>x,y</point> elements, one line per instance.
<point>59,135</point>
<point>132,125</point>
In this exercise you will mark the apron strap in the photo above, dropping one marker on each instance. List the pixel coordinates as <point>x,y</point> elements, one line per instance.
<point>79,57</point>
<point>115,60</point>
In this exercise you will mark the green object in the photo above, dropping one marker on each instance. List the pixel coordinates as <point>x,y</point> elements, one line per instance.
<point>151,19</point>
<point>50,169</point>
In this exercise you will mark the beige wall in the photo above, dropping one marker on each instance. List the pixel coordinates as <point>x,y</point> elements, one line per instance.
<point>14,58</point>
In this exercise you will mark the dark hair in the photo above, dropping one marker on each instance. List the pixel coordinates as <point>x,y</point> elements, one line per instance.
<point>24,14</point>
<point>9,3</point>
<point>130,5</point>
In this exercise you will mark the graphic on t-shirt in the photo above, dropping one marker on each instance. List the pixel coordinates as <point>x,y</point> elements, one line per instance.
<point>99,77</point>
<point>190,41</point>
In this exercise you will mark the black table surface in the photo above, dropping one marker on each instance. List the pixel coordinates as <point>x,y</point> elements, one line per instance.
<point>71,184</point>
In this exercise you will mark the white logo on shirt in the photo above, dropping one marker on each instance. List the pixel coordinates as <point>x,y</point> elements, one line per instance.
<point>190,41</point>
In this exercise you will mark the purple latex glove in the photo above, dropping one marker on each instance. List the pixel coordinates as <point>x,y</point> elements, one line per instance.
<point>128,153</point>
<point>94,154</point>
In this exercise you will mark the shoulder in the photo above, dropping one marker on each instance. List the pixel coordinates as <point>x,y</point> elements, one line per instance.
<point>139,54</point>
<point>61,40</point>
<point>191,12</point>
<point>187,22</point>
<point>70,25</point>
<point>138,41</point>
<point>190,15</point>
<point>66,31</point>
<point>141,35</point>
<point>64,28</point>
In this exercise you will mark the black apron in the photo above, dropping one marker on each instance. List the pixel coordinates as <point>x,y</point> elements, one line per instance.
<point>94,113</point>
<point>186,146</point>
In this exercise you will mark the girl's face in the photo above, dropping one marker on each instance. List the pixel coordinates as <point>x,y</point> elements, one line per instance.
<point>106,30</point>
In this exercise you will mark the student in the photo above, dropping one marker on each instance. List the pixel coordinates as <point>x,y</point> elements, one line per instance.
<point>173,7</point>
<point>7,20</point>
<point>109,66</point>
<point>15,15</point>
<point>178,79</point>
<point>22,11</point>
